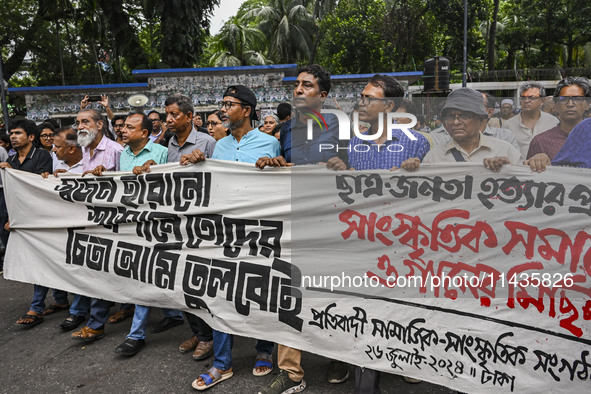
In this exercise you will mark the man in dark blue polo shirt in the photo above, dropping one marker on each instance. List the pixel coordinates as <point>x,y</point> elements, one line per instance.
<point>37,161</point>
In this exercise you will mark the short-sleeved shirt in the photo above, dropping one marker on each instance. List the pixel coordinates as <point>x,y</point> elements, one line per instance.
<point>75,169</point>
<point>367,155</point>
<point>549,142</point>
<point>495,132</point>
<point>151,151</point>
<point>523,135</point>
<point>576,151</point>
<point>37,161</point>
<point>107,154</point>
<point>204,142</point>
<point>488,147</point>
<point>252,146</point>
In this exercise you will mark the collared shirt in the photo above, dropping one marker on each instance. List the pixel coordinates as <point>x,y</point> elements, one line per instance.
<point>367,155</point>
<point>37,161</point>
<point>298,149</point>
<point>525,135</point>
<point>75,169</point>
<point>576,151</point>
<point>502,134</point>
<point>495,132</point>
<point>204,142</point>
<point>548,142</point>
<point>151,151</point>
<point>106,153</point>
<point>252,146</point>
<point>154,137</point>
<point>488,147</point>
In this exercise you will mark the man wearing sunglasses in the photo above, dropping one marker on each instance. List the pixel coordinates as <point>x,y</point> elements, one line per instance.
<point>531,121</point>
<point>571,99</point>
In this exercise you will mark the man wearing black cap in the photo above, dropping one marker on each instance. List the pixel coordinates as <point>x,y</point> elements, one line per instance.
<point>244,144</point>
<point>463,116</point>
<point>247,145</point>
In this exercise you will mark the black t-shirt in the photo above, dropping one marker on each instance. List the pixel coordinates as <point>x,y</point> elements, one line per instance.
<point>37,161</point>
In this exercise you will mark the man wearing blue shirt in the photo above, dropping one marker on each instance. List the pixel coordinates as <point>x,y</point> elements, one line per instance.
<point>310,90</point>
<point>247,145</point>
<point>244,144</point>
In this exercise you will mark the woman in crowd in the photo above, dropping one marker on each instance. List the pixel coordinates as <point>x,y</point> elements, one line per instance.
<point>271,121</point>
<point>215,128</point>
<point>45,136</point>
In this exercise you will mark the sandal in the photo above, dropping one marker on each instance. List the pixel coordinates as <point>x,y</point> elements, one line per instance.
<point>212,377</point>
<point>30,320</point>
<point>121,315</point>
<point>88,334</point>
<point>263,360</point>
<point>53,308</point>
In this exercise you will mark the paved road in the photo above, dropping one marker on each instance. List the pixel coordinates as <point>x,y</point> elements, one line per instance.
<point>44,359</point>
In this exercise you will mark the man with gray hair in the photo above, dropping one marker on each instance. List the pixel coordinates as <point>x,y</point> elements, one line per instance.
<point>97,149</point>
<point>531,121</point>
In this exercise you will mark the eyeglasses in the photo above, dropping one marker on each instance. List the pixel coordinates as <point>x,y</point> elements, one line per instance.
<point>46,136</point>
<point>364,100</point>
<point>566,99</point>
<point>212,123</point>
<point>155,120</point>
<point>463,116</point>
<point>529,98</point>
<point>228,104</point>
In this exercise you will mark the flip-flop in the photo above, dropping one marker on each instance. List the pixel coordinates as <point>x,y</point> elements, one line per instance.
<point>212,377</point>
<point>34,320</point>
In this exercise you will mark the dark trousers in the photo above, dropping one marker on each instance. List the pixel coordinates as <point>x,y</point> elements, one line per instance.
<point>367,381</point>
<point>200,328</point>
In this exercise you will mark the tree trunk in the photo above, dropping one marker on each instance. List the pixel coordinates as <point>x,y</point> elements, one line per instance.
<point>123,33</point>
<point>492,37</point>
<point>59,45</point>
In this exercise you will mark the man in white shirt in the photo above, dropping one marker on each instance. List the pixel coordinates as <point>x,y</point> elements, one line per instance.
<point>531,121</point>
<point>67,151</point>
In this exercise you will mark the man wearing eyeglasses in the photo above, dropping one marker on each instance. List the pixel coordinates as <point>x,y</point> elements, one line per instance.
<point>572,99</point>
<point>244,144</point>
<point>463,118</point>
<point>382,95</point>
<point>531,121</point>
<point>155,135</point>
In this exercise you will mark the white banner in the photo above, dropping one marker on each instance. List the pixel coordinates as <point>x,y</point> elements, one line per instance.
<point>454,275</point>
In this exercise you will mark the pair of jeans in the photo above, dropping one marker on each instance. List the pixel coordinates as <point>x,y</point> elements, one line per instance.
<point>199,327</point>
<point>222,349</point>
<point>99,313</point>
<point>39,294</point>
<point>140,320</point>
<point>80,306</point>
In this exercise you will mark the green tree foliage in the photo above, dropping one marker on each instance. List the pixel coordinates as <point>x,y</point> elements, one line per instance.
<point>99,41</point>
<point>353,38</point>
<point>287,24</point>
<point>237,45</point>
<point>543,33</point>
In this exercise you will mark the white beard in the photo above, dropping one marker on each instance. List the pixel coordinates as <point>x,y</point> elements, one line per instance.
<point>87,137</point>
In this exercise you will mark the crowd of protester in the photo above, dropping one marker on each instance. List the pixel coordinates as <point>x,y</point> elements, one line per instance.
<point>470,126</point>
